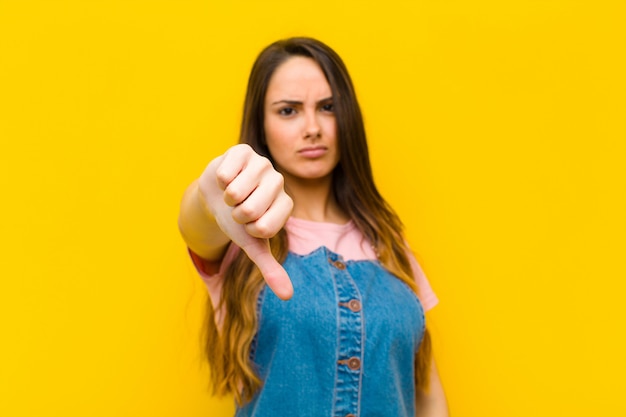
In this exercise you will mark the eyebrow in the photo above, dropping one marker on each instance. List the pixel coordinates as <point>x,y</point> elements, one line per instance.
<point>295,102</point>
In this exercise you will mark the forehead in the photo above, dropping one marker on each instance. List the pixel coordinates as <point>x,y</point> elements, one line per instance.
<point>298,77</point>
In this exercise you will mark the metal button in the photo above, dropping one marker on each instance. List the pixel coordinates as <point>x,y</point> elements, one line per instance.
<point>354,305</point>
<point>339,265</point>
<point>354,363</point>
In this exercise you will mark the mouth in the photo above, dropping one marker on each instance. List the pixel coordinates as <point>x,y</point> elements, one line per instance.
<point>313,152</point>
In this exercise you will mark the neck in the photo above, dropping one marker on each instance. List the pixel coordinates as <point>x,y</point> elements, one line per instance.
<point>314,200</point>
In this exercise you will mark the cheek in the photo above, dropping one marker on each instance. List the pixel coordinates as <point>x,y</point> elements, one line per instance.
<point>279,131</point>
<point>330,128</point>
<point>276,136</point>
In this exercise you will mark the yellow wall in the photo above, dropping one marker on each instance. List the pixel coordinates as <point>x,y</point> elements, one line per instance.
<point>497,128</point>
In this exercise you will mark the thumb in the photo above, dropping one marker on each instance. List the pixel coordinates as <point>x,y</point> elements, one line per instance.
<point>258,250</point>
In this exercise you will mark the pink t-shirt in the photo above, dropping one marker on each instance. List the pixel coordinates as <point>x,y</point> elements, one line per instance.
<point>305,236</point>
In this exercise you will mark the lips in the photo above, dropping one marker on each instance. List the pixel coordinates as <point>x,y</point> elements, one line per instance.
<point>313,152</point>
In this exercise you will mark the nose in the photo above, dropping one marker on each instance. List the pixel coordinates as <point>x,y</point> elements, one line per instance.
<point>312,128</point>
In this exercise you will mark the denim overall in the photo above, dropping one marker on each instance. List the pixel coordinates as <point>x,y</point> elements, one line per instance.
<point>343,346</point>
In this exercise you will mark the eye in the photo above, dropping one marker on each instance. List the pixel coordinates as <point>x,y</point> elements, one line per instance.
<point>287,111</point>
<point>328,107</point>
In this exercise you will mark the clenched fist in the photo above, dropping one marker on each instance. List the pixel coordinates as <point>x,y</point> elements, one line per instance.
<point>246,195</point>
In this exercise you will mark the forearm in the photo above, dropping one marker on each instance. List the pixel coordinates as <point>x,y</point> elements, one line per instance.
<point>432,403</point>
<point>199,228</point>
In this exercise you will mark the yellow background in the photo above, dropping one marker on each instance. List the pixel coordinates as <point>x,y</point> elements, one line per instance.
<point>497,131</point>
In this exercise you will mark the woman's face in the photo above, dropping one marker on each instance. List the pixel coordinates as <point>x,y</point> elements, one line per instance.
<point>300,126</point>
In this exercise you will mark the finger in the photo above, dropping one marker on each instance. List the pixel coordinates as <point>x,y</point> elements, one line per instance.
<point>260,200</point>
<point>256,171</point>
<point>273,219</point>
<point>273,272</point>
<point>277,279</point>
<point>231,164</point>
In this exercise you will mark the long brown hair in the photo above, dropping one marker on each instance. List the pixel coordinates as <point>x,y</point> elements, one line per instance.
<point>353,186</point>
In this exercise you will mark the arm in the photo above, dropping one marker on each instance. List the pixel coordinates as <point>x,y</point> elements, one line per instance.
<point>432,403</point>
<point>199,228</point>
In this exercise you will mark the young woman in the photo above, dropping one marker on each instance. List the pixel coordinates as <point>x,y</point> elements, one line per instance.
<point>316,302</point>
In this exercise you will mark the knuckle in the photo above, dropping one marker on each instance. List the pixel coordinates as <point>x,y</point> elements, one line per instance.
<point>232,195</point>
<point>221,176</point>
<point>264,163</point>
<point>244,150</point>
<point>247,212</point>
<point>289,203</point>
<point>263,230</point>
<point>240,147</point>
<point>280,179</point>
<point>234,214</point>
<point>275,182</point>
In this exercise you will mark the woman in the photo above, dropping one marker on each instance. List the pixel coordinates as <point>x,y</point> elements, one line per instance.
<point>292,213</point>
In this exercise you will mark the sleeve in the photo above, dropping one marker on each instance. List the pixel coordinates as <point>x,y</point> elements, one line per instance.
<point>426,294</point>
<point>212,273</point>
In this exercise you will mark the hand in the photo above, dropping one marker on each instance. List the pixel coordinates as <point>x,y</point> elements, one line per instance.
<point>246,196</point>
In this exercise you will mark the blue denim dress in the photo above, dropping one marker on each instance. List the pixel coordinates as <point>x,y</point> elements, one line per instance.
<point>343,346</point>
